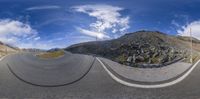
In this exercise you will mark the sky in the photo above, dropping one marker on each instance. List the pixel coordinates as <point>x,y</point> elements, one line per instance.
<point>47,24</point>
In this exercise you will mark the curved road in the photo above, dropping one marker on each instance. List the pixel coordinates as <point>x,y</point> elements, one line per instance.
<point>52,72</point>
<point>95,84</point>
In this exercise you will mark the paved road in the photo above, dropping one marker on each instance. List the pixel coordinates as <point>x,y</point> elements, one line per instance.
<point>147,75</point>
<point>97,84</point>
<point>54,72</point>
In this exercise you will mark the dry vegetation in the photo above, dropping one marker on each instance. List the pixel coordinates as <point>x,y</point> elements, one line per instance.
<point>195,52</point>
<point>54,54</point>
<point>4,50</point>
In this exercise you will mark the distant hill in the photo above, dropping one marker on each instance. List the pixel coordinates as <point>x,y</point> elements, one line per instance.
<point>54,49</point>
<point>185,38</point>
<point>32,50</point>
<point>187,41</point>
<point>138,48</point>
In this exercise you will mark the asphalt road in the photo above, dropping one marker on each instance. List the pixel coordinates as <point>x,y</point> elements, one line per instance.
<point>54,72</point>
<point>96,84</point>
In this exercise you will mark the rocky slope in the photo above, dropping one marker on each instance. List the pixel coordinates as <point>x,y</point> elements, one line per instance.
<point>142,48</point>
<point>7,49</point>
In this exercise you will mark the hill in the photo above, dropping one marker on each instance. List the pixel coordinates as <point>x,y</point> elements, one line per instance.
<point>7,49</point>
<point>139,48</point>
<point>188,39</point>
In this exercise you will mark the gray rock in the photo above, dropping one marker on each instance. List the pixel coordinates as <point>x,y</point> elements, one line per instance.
<point>134,58</point>
<point>140,58</point>
<point>129,59</point>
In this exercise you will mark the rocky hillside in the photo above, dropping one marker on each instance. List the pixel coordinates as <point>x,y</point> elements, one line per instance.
<point>188,39</point>
<point>6,49</point>
<point>139,49</point>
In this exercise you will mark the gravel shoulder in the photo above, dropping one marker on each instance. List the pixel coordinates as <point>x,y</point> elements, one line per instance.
<point>148,74</point>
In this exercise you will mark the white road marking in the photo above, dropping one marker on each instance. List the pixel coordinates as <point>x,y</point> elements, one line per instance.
<point>6,56</point>
<point>2,57</point>
<point>149,86</point>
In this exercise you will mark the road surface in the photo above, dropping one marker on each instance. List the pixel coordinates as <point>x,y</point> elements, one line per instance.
<point>96,84</point>
<point>50,72</point>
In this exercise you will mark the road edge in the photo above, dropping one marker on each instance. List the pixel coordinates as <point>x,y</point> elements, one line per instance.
<point>3,57</point>
<point>161,85</point>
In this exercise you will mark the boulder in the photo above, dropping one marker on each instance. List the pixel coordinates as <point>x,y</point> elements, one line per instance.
<point>140,58</point>
<point>129,59</point>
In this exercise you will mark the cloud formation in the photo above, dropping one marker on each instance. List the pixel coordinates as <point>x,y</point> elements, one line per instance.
<point>93,34</point>
<point>108,19</point>
<point>43,7</point>
<point>22,35</point>
<point>194,26</point>
<point>13,32</point>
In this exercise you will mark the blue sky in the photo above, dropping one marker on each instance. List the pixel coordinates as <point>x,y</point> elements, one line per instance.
<point>59,23</point>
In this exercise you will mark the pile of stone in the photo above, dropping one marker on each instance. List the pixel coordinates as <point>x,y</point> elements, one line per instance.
<point>151,55</point>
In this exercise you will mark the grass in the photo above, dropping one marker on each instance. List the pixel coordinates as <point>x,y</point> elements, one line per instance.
<point>195,57</point>
<point>54,54</point>
<point>3,53</point>
<point>121,59</point>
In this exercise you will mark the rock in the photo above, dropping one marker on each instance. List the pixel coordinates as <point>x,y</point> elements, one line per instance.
<point>142,51</point>
<point>150,61</point>
<point>129,59</point>
<point>163,59</point>
<point>134,58</point>
<point>155,54</point>
<point>139,58</point>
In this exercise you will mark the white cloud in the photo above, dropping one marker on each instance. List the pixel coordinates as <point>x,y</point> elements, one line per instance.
<point>195,27</point>
<point>43,7</point>
<point>108,18</point>
<point>175,23</point>
<point>37,38</point>
<point>93,34</point>
<point>15,32</point>
<point>13,27</point>
<point>9,40</point>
